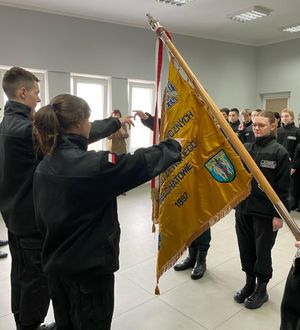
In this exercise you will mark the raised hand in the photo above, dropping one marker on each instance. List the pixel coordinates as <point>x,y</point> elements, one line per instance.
<point>141,114</point>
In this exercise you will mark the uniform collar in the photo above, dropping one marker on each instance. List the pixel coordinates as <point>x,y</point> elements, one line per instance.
<point>13,107</point>
<point>71,139</point>
<point>263,140</point>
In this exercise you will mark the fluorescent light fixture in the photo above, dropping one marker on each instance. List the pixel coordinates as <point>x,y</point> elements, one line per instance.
<point>175,2</point>
<point>292,28</point>
<point>250,14</point>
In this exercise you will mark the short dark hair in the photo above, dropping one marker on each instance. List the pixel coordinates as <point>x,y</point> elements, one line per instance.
<point>236,110</point>
<point>117,112</point>
<point>15,78</point>
<point>226,110</point>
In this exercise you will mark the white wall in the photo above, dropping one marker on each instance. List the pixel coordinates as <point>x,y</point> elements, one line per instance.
<point>62,45</point>
<point>278,70</point>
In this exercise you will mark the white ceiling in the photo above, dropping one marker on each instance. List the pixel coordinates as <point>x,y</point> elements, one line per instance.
<point>201,18</point>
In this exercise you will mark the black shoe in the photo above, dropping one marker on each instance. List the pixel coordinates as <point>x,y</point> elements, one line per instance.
<point>200,266</point>
<point>3,255</point>
<point>246,291</point>
<point>188,262</point>
<point>49,326</point>
<point>258,297</point>
<point>3,243</point>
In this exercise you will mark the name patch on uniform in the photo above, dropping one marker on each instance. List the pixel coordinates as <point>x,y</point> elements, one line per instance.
<point>268,163</point>
<point>291,137</point>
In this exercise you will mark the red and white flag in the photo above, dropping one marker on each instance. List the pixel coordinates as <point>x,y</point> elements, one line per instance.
<point>112,158</point>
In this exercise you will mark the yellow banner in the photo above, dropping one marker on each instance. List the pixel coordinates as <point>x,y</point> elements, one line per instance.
<point>208,182</point>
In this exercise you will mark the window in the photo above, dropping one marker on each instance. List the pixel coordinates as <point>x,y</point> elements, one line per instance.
<point>141,97</point>
<point>41,75</point>
<point>94,90</point>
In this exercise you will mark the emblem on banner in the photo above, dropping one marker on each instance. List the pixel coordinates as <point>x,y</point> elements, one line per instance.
<point>171,97</point>
<point>220,167</point>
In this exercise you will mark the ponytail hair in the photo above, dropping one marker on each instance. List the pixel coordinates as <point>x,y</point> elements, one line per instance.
<point>56,118</point>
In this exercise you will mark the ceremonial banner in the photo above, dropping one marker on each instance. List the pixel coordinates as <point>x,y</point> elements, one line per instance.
<point>208,182</point>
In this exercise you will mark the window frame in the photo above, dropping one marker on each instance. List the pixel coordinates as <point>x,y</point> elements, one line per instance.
<point>94,79</point>
<point>148,84</point>
<point>104,81</point>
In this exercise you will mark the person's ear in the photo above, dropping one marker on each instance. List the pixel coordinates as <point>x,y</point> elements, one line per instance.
<point>273,126</point>
<point>22,92</point>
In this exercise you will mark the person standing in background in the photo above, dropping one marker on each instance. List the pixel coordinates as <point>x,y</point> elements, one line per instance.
<point>225,113</point>
<point>289,136</point>
<point>245,132</point>
<point>278,118</point>
<point>234,119</point>
<point>116,142</point>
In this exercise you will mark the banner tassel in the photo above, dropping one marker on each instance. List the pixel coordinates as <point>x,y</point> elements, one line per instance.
<point>157,292</point>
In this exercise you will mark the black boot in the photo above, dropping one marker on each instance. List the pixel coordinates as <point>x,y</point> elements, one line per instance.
<point>188,262</point>
<point>258,297</point>
<point>246,291</point>
<point>200,266</point>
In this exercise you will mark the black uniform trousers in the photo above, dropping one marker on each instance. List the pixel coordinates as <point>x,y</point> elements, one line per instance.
<point>255,239</point>
<point>290,306</point>
<point>295,190</point>
<point>202,243</point>
<point>29,285</point>
<point>84,303</point>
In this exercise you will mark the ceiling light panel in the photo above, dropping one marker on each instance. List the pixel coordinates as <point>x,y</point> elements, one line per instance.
<point>249,14</point>
<point>175,2</point>
<point>292,29</point>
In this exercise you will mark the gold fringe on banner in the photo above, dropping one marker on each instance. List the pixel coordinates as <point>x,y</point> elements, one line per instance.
<point>214,219</point>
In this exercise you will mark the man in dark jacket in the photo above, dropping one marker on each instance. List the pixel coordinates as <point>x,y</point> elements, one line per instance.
<point>234,119</point>
<point>18,161</point>
<point>245,131</point>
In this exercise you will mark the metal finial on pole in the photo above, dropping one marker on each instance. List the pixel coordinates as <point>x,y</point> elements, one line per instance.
<point>155,26</point>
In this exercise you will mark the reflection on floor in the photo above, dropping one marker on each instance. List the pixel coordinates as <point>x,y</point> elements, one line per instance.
<point>184,304</point>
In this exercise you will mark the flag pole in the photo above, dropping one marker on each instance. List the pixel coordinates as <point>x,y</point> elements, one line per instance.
<point>230,134</point>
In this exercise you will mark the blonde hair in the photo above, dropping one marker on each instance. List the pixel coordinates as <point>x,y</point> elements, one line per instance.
<point>289,111</point>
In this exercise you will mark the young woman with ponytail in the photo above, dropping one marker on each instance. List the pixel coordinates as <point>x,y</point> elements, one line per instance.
<point>75,194</point>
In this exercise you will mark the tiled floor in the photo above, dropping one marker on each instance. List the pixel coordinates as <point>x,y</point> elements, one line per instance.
<point>183,304</point>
